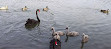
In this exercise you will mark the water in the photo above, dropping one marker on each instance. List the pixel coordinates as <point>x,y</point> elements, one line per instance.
<point>83,16</point>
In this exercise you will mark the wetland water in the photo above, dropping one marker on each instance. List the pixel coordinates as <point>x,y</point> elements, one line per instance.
<point>83,16</point>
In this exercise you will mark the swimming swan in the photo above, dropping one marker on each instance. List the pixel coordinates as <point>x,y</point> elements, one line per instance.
<point>31,22</point>
<point>73,33</point>
<point>25,8</point>
<point>45,9</point>
<point>4,8</point>
<point>85,38</point>
<point>105,11</point>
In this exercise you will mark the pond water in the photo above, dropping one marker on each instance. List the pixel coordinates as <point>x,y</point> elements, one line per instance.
<point>83,16</point>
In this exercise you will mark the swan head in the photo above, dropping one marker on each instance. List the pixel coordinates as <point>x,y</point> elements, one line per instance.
<point>28,19</point>
<point>57,36</point>
<point>52,28</point>
<point>25,6</point>
<point>67,27</point>
<point>46,6</point>
<point>37,10</point>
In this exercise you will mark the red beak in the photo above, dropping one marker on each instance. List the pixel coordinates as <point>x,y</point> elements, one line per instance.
<point>55,42</point>
<point>39,10</point>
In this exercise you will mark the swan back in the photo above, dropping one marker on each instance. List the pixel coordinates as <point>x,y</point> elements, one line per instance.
<point>72,33</point>
<point>60,33</point>
<point>75,33</point>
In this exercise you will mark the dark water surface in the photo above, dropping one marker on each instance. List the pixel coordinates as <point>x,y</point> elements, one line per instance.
<point>83,16</point>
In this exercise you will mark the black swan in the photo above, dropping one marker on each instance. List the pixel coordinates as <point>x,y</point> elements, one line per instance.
<point>55,44</point>
<point>31,23</point>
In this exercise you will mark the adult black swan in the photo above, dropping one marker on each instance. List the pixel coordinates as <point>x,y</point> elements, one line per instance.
<point>55,44</point>
<point>31,23</point>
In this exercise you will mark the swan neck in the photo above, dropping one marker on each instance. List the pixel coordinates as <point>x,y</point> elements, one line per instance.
<point>67,30</point>
<point>53,30</point>
<point>37,16</point>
